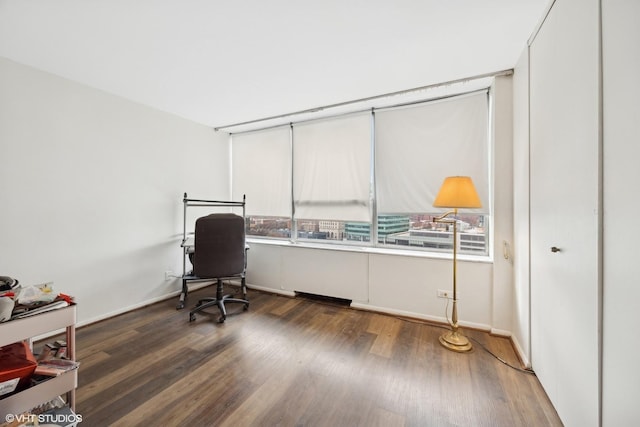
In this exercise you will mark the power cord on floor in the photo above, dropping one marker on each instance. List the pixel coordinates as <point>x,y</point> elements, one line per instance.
<point>523,370</point>
<point>446,316</point>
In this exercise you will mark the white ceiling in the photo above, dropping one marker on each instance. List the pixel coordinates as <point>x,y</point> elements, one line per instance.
<point>221,62</point>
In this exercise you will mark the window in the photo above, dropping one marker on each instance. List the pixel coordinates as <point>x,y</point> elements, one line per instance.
<point>416,148</point>
<point>331,176</point>
<point>420,231</point>
<point>264,226</point>
<point>345,232</point>
<point>332,169</point>
<point>327,180</point>
<point>261,170</point>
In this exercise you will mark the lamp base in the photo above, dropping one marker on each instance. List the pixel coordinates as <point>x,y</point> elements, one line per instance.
<point>455,341</point>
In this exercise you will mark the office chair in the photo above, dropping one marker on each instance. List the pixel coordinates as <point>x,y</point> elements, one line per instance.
<point>219,253</point>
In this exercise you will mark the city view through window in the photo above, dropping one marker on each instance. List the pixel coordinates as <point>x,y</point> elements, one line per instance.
<point>406,231</point>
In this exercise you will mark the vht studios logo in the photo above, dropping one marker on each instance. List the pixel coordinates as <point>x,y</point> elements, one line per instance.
<point>44,418</point>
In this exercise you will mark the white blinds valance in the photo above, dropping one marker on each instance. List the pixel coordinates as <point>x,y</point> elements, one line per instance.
<point>331,175</point>
<point>261,169</point>
<point>418,146</point>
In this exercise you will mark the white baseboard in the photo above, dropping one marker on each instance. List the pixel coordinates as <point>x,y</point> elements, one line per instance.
<point>410,314</point>
<point>272,290</point>
<point>192,287</point>
<point>500,333</point>
<point>521,354</point>
<point>123,310</point>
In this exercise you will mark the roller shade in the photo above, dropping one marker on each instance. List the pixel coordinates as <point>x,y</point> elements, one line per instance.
<point>418,146</point>
<point>331,172</point>
<point>261,169</point>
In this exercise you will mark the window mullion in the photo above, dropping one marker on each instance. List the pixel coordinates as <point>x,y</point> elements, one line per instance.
<point>374,204</point>
<point>294,225</point>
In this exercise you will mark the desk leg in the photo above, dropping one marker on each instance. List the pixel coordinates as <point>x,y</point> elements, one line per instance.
<point>183,295</point>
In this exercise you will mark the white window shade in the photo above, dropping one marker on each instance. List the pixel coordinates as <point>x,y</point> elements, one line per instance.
<point>261,170</point>
<point>331,172</point>
<point>418,146</point>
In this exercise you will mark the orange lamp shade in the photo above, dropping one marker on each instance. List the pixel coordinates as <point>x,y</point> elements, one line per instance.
<point>457,192</point>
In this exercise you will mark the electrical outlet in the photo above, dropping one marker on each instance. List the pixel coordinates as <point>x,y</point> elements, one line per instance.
<point>168,275</point>
<point>444,294</point>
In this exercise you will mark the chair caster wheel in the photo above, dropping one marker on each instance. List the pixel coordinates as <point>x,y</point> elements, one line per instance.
<point>192,317</point>
<point>180,305</point>
<point>246,307</point>
<point>222,319</point>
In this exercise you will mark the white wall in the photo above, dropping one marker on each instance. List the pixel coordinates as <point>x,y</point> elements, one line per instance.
<point>409,285</point>
<point>621,151</point>
<point>398,284</point>
<point>503,274</point>
<point>521,321</point>
<point>91,190</point>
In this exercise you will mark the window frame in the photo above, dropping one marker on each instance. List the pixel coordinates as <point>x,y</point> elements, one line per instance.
<point>373,245</point>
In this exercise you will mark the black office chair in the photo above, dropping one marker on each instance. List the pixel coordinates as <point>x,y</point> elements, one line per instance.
<point>220,252</point>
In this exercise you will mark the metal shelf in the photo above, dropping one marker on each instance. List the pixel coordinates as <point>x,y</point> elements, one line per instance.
<point>25,329</point>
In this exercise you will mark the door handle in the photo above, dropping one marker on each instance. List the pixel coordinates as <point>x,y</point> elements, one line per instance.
<point>554,249</point>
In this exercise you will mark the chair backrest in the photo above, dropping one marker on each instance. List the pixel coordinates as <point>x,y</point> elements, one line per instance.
<point>219,246</point>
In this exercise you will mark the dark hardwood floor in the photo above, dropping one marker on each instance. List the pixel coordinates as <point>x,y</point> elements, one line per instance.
<point>295,362</point>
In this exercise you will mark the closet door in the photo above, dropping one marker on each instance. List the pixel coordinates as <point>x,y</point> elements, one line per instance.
<point>565,231</point>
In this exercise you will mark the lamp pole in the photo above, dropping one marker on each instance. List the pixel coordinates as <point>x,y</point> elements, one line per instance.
<point>453,340</point>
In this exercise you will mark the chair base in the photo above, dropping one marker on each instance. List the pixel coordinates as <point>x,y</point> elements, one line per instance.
<point>219,301</point>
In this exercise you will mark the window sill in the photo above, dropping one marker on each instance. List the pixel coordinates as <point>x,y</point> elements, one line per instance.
<point>369,250</point>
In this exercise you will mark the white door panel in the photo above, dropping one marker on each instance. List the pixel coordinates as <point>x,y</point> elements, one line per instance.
<point>564,120</point>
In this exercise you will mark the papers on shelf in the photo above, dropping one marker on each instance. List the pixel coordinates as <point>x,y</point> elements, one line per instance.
<point>55,367</point>
<point>40,309</point>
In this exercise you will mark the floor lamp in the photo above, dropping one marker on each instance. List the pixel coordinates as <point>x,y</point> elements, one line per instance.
<point>456,192</point>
